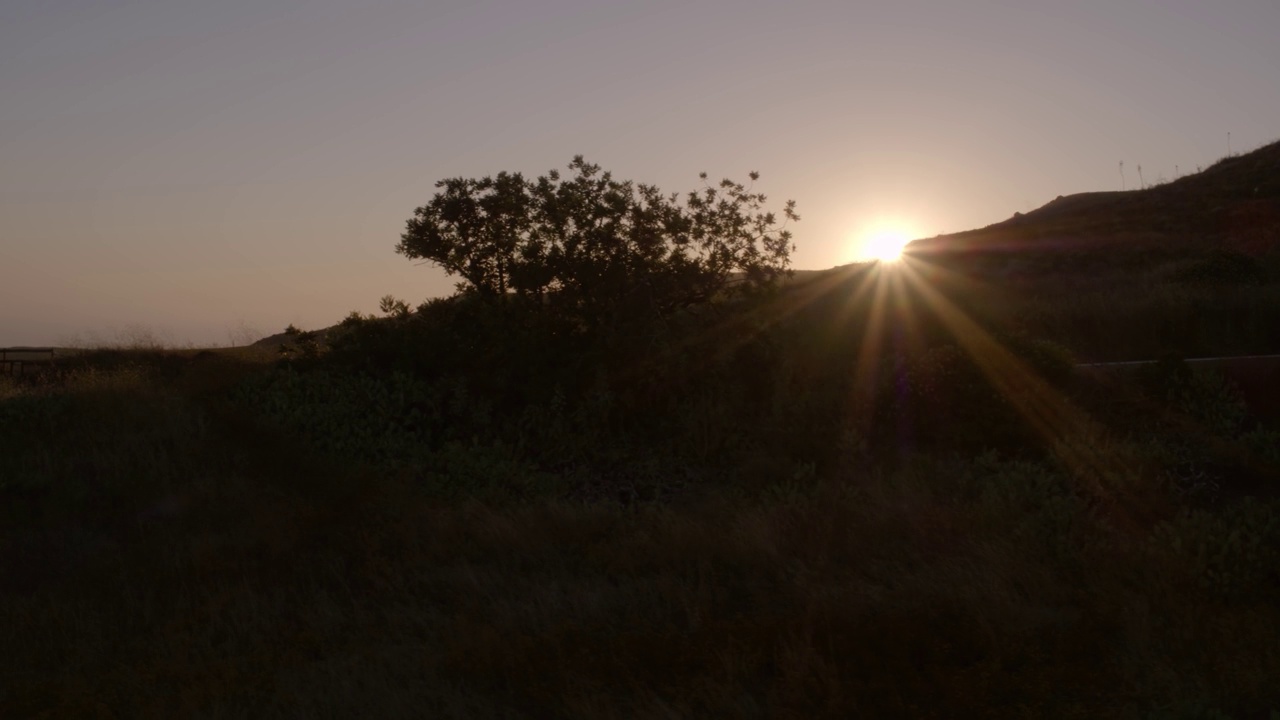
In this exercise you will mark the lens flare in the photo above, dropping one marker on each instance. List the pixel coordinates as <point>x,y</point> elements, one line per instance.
<point>885,243</point>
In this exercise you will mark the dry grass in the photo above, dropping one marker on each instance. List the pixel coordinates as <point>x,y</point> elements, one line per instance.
<point>164,556</point>
<point>861,597</point>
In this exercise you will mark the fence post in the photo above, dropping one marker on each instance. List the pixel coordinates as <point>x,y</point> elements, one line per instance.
<point>11,365</point>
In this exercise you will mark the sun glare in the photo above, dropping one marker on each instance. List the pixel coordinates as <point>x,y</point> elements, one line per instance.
<point>885,243</point>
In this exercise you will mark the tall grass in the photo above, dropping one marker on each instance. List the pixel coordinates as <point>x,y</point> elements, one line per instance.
<point>1160,319</point>
<point>168,551</point>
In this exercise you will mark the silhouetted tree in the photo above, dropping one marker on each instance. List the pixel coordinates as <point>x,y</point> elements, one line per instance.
<point>596,249</point>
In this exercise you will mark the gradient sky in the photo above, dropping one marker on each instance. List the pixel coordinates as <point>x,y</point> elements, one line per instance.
<point>211,171</point>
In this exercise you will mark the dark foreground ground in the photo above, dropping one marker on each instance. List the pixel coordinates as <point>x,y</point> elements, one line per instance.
<point>165,554</point>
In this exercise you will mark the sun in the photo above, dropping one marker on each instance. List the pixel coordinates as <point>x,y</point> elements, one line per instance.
<point>885,243</point>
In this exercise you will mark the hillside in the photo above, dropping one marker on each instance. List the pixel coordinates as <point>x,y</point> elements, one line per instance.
<point>1215,229</point>
<point>1189,268</point>
<point>884,491</point>
<point>1232,206</point>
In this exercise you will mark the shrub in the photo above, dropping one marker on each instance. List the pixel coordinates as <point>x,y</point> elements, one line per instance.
<point>386,421</point>
<point>1203,396</point>
<point>1033,503</point>
<point>597,250</point>
<point>1224,267</point>
<point>1231,552</point>
<point>941,398</point>
<point>1264,444</point>
<point>511,353</point>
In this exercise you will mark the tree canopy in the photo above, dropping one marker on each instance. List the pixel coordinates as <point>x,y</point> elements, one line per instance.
<point>598,249</point>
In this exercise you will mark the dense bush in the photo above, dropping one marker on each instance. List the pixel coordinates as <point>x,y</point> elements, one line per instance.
<point>1224,267</point>
<point>1203,397</point>
<point>394,391</point>
<point>596,250</point>
<point>1233,552</point>
<point>378,420</point>
<point>443,433</point>
<point>942,398</point>
<point>1147,316</point>
<point>511,353</point>
<point>1035,503</point>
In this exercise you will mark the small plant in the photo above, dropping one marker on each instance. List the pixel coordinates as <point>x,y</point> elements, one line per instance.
<point>1231,552</point>
<point>1224,268</point>
<point>353,417</point>
<point>1204,397</point>
<point>302,345</point>
<point>1264,444</point>
<point>1211,399</point>
<point>1037,505</point>
<point>393,306</point>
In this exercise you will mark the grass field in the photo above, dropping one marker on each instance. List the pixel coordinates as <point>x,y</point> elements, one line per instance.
<point>881,492</point>
<point>169,553</point>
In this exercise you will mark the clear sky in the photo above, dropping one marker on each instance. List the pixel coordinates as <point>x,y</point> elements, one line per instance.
<point>205,170</point>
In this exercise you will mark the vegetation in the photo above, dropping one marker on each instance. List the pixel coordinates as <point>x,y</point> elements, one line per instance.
<point>878,491</point>
<point>1190,268</point>
<point>597,250</point>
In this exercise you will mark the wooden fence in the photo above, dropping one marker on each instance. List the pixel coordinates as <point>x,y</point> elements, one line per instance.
<point>14,360</point>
